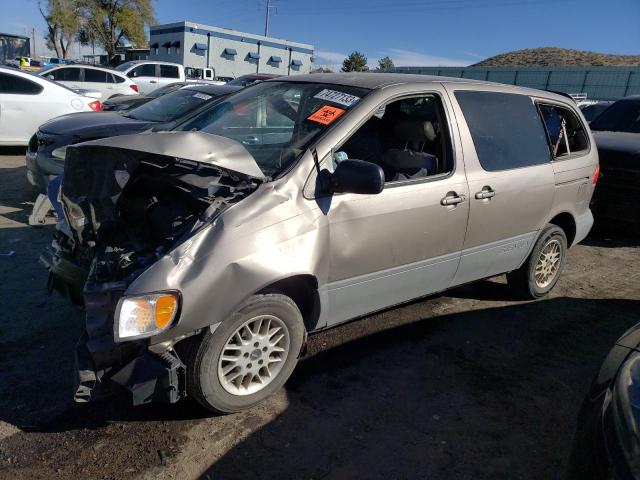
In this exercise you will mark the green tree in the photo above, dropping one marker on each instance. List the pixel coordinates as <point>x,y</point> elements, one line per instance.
<point>385,62</point>
<point>63,23</point>
<point>110,22</point>
<point>355,62</point>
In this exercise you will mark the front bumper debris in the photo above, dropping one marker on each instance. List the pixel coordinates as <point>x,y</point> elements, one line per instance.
<point>145,378</point>
<point>102,364</point>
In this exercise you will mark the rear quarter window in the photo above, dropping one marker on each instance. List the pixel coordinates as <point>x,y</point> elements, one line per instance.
<point>565,132</point>
<point>15,85</point>
<point>169,71</point>
<point>505,128</point>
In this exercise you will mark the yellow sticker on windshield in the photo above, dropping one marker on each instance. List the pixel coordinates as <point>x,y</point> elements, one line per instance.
<point>326,115</point>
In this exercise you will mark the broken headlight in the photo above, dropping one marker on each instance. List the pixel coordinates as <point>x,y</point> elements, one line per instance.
<point>145,315</point>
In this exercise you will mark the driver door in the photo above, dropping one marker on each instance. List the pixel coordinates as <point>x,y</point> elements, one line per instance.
<point>398,245</point>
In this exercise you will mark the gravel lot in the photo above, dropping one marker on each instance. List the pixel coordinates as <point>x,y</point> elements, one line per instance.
<point>467,385</point>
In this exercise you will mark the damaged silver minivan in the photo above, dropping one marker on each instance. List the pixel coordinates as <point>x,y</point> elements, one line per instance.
<point>204,256</point>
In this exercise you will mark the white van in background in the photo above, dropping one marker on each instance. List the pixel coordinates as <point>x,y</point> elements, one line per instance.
<point>149,75</point>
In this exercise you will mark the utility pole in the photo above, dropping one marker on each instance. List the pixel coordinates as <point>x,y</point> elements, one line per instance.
<point>266,19</point>
<point>33,37</point>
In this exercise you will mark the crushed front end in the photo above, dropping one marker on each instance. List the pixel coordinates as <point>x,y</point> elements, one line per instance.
<point>126,209</point>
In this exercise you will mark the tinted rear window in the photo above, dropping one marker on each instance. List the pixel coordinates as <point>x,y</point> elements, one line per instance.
<point>506,129</point>
<point>17,85</point>
<point>169,71</point>
<point>97,76</point>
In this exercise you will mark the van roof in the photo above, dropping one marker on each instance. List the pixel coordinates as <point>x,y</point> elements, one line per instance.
<point>373,80</point>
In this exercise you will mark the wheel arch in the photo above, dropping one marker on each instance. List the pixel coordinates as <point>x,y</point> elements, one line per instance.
<point>567,222</point>
<point>303,290</point>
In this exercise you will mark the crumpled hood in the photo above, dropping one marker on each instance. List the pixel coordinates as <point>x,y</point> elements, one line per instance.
<point>90,124</point>
<point>619,149</point>
<point>198,147</point>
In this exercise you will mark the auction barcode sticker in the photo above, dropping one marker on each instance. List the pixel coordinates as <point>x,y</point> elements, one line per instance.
<point>337,97</point>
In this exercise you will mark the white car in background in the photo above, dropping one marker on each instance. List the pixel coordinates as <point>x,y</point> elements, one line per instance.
<point>107,81</point>
<point>27,101</point>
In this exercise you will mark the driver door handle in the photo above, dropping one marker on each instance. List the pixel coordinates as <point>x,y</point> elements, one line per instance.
<point>486,192</point>
<point>452,198</point>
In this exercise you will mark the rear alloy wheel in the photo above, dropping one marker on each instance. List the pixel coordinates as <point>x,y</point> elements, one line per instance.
<point>542,269</point>
<point>248,357</point>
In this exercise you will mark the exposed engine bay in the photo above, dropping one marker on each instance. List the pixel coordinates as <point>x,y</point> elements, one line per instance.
<point>127,208</point>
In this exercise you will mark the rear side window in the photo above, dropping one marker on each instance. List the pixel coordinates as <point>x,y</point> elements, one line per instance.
<point>96,76</point>
<point>505,128</point>
<point>146,70</point>
<point>169,71</point>
<point>18,86</point>
<point>565,132</point>
<point>116,78</point>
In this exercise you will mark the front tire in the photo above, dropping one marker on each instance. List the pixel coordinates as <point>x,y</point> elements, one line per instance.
<point>248,357</point>
<point>542,269</point>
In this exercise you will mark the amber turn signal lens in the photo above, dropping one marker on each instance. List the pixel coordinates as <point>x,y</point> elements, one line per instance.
<point>166,306</point>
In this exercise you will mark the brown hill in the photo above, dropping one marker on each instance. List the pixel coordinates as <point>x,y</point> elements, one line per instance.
<point>551,56</point>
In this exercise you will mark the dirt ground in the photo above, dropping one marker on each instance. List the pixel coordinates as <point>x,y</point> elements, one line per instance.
<point>467,385</point>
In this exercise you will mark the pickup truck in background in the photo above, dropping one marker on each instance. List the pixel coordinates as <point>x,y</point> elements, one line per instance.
<point>149,75</point>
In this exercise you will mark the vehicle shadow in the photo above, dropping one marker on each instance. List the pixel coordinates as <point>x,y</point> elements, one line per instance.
<point>15,150</point>
<point>611,238</point>
<point>491,393</point>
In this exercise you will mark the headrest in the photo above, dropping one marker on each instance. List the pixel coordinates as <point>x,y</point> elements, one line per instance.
<point>415,131</point>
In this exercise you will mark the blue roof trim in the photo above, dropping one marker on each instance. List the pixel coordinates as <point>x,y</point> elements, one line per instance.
<point>296,63</point>
<point>275,59</point>
<point>230,51</point>
<point>230,36</point>
<point>254,55</point>
<point>200,46</point>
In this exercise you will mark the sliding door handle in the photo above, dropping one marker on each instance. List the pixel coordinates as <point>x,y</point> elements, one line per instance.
<point>452,198</point>
<point>486,192</point>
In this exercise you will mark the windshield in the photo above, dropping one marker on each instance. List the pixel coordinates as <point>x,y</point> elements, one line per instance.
<point>622,116</point>
<point>124,66</point>
<point>158,92</point>
<point>170,106</point>
<point>276,121</point>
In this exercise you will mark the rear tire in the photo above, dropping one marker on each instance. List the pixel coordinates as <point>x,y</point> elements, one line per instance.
<point>248,357</point>
<point>542,269</point>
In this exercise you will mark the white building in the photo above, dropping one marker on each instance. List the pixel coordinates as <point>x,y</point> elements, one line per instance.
<point>229,52</point>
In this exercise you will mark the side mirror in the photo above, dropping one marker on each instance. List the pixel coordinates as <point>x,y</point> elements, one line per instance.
<point>357,176</point>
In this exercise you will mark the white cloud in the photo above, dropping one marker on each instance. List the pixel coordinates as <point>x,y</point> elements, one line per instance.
<point>408,58</point>
<point>329,57</point>
<point>332,60</point>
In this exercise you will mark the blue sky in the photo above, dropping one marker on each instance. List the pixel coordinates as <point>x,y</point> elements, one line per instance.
<point>411,32</point>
